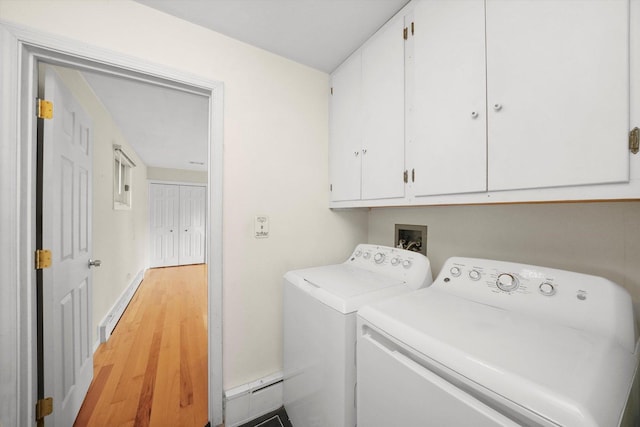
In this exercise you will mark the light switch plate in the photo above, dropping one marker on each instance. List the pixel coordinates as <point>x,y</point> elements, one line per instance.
<point>261,226</point>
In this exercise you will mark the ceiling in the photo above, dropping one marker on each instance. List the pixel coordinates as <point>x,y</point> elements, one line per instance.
<point>317,33</point>
<point>168,128</point>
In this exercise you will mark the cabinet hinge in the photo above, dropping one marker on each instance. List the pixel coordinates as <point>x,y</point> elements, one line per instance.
<point>331,91</point>
<point>44,407</point>
<point>44,109</point>
<point>42,259</point>
<point>404,33</point>
<point>405,177</point>
<point>330,187</point>
<point>634,140</point>
<point>412,29</point>
<point>413,175</point>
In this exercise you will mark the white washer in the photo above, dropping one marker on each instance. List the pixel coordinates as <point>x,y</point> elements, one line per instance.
<point>320,328</point>
<point>499,344</point>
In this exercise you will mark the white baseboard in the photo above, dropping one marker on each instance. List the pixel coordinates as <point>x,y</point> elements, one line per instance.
<point>111,319</point>
<point>250,401</point>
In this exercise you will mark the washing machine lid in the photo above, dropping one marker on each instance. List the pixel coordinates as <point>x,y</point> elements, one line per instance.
<point>344,287</point>
<point>560,374</point>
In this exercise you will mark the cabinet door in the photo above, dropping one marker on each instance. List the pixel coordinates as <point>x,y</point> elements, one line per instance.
<point>558,92</point>
<point>383,109</point>
<point>346,130</point>
<point>446,109</point>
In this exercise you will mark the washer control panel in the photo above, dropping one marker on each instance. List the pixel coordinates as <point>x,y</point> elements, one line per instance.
<point>411,267</point>
<point>561,297</point>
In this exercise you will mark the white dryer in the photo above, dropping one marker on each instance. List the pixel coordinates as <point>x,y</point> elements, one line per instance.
<point>499,344</point>
<point>320,328</point>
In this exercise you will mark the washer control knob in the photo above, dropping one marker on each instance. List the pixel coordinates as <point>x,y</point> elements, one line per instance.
<point>358,253</point>
<point>366,255</point>
<point>507,282</point>
<point>455,271</point>
<point>474,275</point>
<point>547,289</point>
<point>379,258</point>
<point>395,261</point>
<point>406,263</point>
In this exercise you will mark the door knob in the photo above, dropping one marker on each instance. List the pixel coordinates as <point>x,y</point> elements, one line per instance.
<point>474,114</point>
<point>497,107</point>
<point>94,263</point>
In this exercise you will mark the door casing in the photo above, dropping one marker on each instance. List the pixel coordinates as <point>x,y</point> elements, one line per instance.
<point>22,49</point>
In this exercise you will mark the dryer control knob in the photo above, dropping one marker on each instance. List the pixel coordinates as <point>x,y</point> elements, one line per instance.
<point>366,255</point>
<point>358,252</point>
<point>406,263</point>
<point>474,275</point>
<point>395,261</point>
<point>547,289</point>
<point>379,258</point>
<point>507,282</point>
<point>455,271</point>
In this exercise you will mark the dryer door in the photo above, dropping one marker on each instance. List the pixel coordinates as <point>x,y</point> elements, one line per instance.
<point>393,389</point>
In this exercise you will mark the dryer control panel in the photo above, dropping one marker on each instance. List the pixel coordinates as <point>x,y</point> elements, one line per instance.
<point>411,267</point>
<point>559,297</point>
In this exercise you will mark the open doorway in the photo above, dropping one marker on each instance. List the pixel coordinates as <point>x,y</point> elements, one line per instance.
<point>30,49</point>
<point>109,136</point>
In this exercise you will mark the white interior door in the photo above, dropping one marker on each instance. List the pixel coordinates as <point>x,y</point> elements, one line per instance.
<point>192,224</point>
<point>68,353</point>
<point>164,205</point>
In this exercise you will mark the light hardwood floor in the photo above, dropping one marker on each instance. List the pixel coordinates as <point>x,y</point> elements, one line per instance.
<point>153,369</point>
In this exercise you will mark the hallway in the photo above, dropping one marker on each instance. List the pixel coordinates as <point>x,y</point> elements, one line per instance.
<point>153,369</point>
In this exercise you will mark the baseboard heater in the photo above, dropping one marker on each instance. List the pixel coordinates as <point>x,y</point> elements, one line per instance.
<point>250,401</point>
<point>110,321</point>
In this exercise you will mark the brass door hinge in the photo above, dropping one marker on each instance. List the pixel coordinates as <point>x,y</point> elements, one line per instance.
<point>331,91</point>
<point>330,187</point>
<point>404,33</point>
<point>43,259</point>
<point>413,175</point>
<point>412,29</point>
<point>44,109</point>
<point>634,140</point>
<point>405,177</point>
<point>44,407</point>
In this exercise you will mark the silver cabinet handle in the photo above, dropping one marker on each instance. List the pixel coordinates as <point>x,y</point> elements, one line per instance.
<point>94,263</point>
<point>497,107</point>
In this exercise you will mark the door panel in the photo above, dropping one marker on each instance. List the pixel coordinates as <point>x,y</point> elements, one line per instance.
<point>165,225</point>
<point>67,289</point>
<point>192,224</point>
<point>346,130</point>
<point>563,91</point>
<point>447,145</point>
<point>383,109</point>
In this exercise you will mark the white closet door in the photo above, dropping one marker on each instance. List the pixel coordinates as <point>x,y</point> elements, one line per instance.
<point>560,92</point>
<point>192,224</point>
<point>165,224</point>
<point>446,144</point>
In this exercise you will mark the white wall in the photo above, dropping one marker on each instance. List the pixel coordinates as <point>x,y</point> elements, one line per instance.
<point>276,139</point>
<point>593,238</point>
<point>120,237</point>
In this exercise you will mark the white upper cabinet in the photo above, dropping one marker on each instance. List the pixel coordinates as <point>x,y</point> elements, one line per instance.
<point>558,93</point>
<point>446,98</point>
<point>367,120</point>
<point>345,130</point>
<point>490,101</point>
<point>383,107</point>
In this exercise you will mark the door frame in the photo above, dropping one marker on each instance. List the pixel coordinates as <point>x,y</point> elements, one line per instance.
<point>20,51</point>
